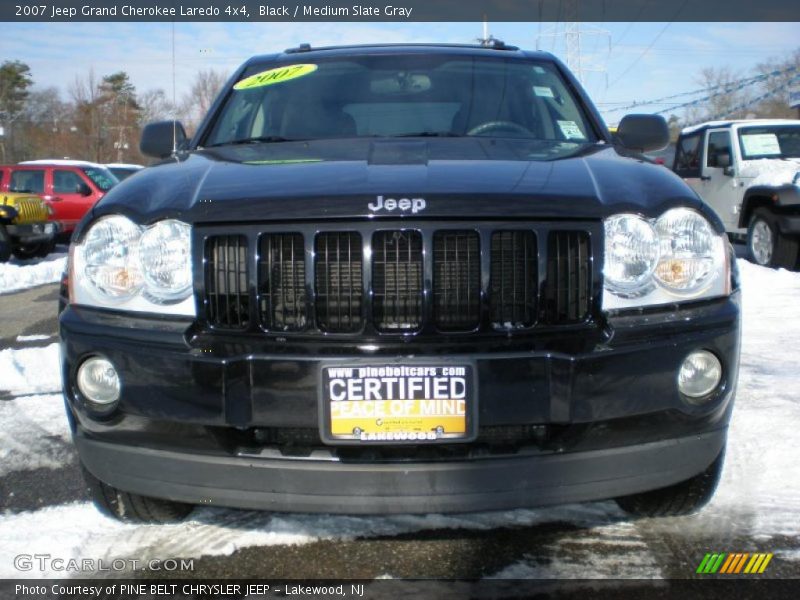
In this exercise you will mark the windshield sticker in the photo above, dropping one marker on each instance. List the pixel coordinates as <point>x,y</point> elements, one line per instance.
<point>274,76</point>
<point>759,144</point>
<point>571,130</point>
<point>543,91</point>
<point>538,70</point>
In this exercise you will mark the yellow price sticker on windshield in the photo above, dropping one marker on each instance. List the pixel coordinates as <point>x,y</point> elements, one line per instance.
<point>274,76</point>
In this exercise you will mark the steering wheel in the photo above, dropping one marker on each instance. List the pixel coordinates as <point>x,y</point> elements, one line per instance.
<point>501,125</point>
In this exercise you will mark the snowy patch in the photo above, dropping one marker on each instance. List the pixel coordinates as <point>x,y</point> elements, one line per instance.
<point>30,370</point>
<point>34,434</point>
<point>624,555</point>
<point>23,274</point>
<point>760,487</point>
<point>77,530</point>
<point>758,498</point>
<point>33,338</point>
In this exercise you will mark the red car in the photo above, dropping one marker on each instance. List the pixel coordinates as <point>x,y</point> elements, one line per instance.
<point>70,186</point>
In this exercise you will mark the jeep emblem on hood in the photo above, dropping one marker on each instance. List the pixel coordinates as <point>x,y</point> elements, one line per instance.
<point>404,204</point>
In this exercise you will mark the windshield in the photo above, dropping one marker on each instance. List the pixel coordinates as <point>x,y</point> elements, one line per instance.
<point>775,141</point>
<point>101,177</point>
<point>404,95</point>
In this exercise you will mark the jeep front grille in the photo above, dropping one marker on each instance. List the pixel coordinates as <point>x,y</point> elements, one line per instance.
<point>421,277</point>
<point>30,210</point>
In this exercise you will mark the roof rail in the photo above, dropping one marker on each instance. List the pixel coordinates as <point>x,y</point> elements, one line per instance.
<point>490,43</point>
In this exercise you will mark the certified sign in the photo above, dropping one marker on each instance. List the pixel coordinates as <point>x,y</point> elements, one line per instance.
<point>397,403</point>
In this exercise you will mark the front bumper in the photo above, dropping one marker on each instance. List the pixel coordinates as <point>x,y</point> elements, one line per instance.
<point>606,398</point>
<point>33,233</point>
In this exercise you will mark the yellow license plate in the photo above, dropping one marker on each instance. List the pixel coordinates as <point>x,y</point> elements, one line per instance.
<point>398,403</point>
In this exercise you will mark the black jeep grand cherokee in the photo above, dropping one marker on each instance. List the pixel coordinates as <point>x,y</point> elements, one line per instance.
<point>401,279</point>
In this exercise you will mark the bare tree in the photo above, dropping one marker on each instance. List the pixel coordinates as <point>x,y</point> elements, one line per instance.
<point>154,106</point>
<point>204,90</point>
<point>91,136</point>
<point>776,106</point>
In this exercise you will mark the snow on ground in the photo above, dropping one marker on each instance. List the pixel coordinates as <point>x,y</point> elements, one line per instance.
<point>46,439</point>
<point>22,274</point>
<point>30,370</point>
<point>758,498</point>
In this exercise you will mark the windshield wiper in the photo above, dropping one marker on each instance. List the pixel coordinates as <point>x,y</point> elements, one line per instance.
<point>264,139</point>
<point>429,134</point>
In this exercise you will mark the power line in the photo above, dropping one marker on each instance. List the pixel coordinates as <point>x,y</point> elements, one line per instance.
<point>728,87</point>
<point>653,43</point>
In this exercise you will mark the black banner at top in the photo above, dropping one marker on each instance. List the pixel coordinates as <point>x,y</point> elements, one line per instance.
<point>399,10</point>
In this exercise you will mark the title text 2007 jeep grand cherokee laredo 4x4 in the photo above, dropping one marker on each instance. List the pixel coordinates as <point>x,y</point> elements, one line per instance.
<point>401,279</point>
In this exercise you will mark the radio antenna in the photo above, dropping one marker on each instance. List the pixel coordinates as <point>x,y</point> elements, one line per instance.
<point>174,98</point>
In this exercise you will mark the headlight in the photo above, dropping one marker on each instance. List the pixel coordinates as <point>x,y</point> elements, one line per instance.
<point>165,257</point>
<point>688,248</point>
<point>119,264</point>
<point>676,257</point>
<point>631,254</point>
<point>109,258</point>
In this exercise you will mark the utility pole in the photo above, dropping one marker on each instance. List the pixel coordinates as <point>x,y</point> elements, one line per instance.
<point>573,34</point>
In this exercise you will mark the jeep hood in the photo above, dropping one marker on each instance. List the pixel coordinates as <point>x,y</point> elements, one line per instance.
<point>458,178</point>
<point>770,172</point>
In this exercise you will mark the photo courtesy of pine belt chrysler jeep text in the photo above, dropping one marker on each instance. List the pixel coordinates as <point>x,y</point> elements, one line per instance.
<point>400,279</point>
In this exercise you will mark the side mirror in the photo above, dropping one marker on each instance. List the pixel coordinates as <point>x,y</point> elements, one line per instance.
<point>83,189</point>
<point>643,133</point>
<point>723,160</point>
<point>160,138</point>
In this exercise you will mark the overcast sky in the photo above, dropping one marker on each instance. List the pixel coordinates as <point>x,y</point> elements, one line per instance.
<point>634,61</point>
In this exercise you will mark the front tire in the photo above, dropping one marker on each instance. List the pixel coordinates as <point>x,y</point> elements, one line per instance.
<point>133,508</point>
<point>766,246</point>
<point>684,498</point>
<point>39,250</point>
<point>5,245</point>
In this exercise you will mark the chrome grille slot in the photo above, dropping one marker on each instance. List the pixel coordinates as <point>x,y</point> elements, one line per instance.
<point>397,280</point>
<point>338,284</point>
<point>513,281</point>
<point>282,302</point>
<point>227,299</point>
<point>568,290</point>
<point>457,279</point>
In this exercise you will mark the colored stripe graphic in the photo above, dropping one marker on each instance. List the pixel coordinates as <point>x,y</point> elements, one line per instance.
<point>734,563</point>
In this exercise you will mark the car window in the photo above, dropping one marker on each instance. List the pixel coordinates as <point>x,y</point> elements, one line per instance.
<point>28,180</point>
<point>101,177</point>
<point>719,143</point>
<point>687,158</point>
<point>776,141</point>
<point>402,95</point>
<point>66,182</point>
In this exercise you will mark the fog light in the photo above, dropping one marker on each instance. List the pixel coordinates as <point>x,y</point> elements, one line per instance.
<point>98,381</point>
<point>700,374</point>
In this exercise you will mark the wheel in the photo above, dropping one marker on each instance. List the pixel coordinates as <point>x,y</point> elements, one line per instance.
<point>684,498</point>
<point>499,125</point>
<point>766,245</point>
<point>39,250</point>
<point>5,245</point>
<point>133,508</point>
